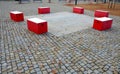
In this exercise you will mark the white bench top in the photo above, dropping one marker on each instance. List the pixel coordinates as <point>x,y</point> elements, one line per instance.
<point>36,20</point>
<point>103,19</point>
<point>102,11</point>
<point>43,7</point>
<point>16,12</point>
<point>78,7</point>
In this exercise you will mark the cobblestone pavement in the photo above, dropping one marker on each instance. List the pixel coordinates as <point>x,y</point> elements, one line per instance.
<point>83,52</point>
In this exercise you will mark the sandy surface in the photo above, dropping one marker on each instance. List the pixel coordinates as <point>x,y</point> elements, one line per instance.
<point>101,6</point>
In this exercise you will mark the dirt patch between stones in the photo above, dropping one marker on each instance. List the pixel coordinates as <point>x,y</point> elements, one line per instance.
<point>100,6</point>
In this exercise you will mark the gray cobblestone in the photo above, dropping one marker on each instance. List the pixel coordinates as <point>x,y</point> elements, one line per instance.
<point>82,52</point>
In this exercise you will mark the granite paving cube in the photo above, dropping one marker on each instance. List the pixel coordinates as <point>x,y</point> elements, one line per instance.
<point>102,23</point>
<point>16,16</point>
<point>78,10</point>
<point>43,10</point>
<point>37,25</point>
<point>101,13</point>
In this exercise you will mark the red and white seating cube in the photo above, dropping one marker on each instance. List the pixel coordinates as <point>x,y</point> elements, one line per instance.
<point>101,13</point>
<point>43,10</point>
<point>37,25</point>
<point>17,16</point>
<point>102,23</point>
<point>78,10</point>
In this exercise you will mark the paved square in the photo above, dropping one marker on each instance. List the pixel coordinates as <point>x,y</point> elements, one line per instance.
<point>86,51</point>
<point>62,23</point>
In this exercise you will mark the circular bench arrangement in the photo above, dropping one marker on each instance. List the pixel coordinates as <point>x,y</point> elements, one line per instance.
<point>39,26</point>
